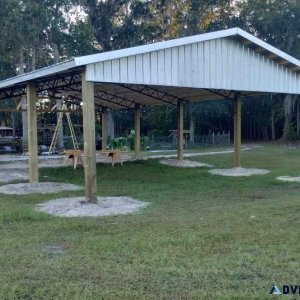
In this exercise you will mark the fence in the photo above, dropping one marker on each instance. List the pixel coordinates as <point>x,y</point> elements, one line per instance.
<point>170,143</point>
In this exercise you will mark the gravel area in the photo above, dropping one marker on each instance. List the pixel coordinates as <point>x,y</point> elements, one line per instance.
<point>12,174</point>
<point>38,188</point>
<point>184,163</point>
<point>78,207</point>
<point>238,172</point>
<point>205,153</point>
<point>289,178</point>
<point>50,161</point>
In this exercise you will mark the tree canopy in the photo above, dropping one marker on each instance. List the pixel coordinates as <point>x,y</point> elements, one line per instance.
<point>37,33</point>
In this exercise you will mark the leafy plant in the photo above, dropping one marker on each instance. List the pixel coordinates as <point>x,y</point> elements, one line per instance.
<point>117,143</point>
<point>290,133</point>
<point>131,141</point>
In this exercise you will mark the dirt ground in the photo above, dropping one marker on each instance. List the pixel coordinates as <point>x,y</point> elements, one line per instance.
<point>21,161</point>
<point>289,178</point>
<point>78,207</point>
<point>238,172</point>
<point>38,188</point>
<point>15,167</point>
<point>12,174</point>
<point>184,163</point>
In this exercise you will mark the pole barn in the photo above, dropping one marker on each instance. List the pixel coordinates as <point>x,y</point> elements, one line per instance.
<point>226,64</point>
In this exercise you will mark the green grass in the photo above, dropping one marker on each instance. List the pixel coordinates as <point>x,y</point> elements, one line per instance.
<point>203,236</point>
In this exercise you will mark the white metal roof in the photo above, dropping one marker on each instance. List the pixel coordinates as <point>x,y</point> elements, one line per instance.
<point>117,54</point>
<point>84,60</point>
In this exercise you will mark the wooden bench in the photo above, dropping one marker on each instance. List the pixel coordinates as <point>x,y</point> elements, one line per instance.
<point>75,155</point>
<point>114,154</point>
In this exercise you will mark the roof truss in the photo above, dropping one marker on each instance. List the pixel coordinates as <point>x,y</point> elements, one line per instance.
<point>153,93</point>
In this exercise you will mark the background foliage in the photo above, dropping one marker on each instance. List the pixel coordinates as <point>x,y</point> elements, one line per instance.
<point>36,33</point>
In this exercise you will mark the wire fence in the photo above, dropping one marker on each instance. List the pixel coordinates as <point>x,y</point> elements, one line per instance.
<point>170,142</point>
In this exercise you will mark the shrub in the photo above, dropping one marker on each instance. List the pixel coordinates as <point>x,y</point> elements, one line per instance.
<point>290,133</point>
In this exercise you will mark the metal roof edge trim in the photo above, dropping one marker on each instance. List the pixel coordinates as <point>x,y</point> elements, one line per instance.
<point>38,73</point>
<point>99,57</point>
<point>267,46</point>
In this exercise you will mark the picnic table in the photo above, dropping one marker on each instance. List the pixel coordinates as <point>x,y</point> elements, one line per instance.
<point>75,155</point>
<point>114,154</point>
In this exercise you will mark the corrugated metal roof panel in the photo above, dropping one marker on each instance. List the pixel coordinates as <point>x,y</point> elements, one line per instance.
<point>227,59</point>
<point>221,63</point>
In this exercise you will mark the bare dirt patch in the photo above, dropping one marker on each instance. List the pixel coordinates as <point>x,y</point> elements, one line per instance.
<point>51,161</point>
<point>38,188</point>
<point>8,175</point>
<point>205,153</point>
<point>289,178</point>
<point>79,207</point>
<point>184,163</point>
<point>238,172</point>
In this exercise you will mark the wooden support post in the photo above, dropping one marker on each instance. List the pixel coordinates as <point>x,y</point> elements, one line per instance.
<point>137,130</point>
<point>180,131</point>
<point>104,128</point>
<point>88,107</point>
<point>237,130</point>
<point>32,132</point>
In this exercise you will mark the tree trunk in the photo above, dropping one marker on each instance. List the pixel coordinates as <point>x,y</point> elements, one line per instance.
<point>21,62</point>
<point>265,133</point>
<point>55,53</point>
<point>289,103</point>
<point>110,123</point>
<point>24,124</point>
<point>60,137</point>
<point>24,104</point>
<point>13,123</point>
<point>273,118</point>
<point>191,107</point>
<point>298,117</point>
<point>288,110</point>
<point>33,60</point>
<point>192,130</point>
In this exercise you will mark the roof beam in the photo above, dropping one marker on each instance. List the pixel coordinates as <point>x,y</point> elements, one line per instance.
<point>46,84</point>
<point>153,93</point>
<point>260,50</point>
<point>272,55</point>
<point>115,99</point>
<point>107,97</point>
<point>12,92</point>
<point>222,93</point>
<point>77,101</point>
<point>283,62</point>
<point>59,81</point>
<point>247,42</point>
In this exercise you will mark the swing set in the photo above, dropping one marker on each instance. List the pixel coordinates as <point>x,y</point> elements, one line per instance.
<point>75,154</point>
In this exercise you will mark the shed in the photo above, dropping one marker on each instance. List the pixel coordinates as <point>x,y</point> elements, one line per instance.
<point>227,64</point>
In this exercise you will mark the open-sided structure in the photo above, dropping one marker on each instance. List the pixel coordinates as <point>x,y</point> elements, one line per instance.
<point>225,64</point>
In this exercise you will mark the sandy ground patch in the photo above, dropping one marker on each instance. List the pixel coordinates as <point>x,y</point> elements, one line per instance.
<point>238,172</point>
<point>78,207</point>
<point>11,174</point>
<point>184,163</point>
<point>38,188</point>
<point>244,148</point>
<point>289,178</point>
<point>50,161</point>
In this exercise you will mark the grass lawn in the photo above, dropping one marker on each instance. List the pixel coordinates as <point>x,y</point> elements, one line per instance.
<point>203,236</point>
